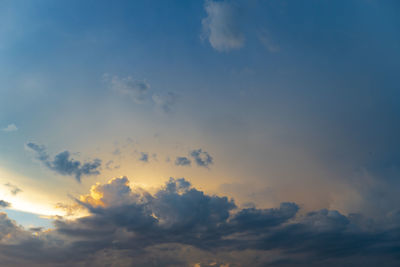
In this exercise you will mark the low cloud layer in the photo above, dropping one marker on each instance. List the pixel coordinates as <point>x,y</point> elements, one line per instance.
<point>179,225</point>
<point>64,164</point>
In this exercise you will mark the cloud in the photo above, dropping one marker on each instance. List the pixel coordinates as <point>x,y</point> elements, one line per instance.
<point>182,161</point>
<point>267,41</point>
<point>164,102</point>
<point>10,128</point>
<point>179,225</point>
<point>63,164</point>
<point>136,89</point>
<point>222,26</point>
<point>202,158</point>
<point>144,157</point>
<point>4,204</point>
<point>13,188</point>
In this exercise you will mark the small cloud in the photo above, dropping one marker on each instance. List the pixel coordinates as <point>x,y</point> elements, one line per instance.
<point>110,165</point>
<point>13,188</point>
<point>222,26</point>
<point>267,41</point>
<point>202,158</point>
<point>144,157</point>
<point>182,161</point>
<point>65,165</point>
<point>164,102</point>
<point>136,89</point>
<point>10,128</point>
<point>4,204</point>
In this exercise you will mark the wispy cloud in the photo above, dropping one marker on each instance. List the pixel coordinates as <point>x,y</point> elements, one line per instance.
<point>137,90</point>
<point>63,164</point>
<point>13,188</point>
<point>222,26</point>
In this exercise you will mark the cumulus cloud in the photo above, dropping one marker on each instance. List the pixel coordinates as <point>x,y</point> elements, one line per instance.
<point>179,225</point>
<point>222,26</point>
<point>164,102</point>
<point>136,89</point>
<point>10,128</point>
<point>202,158</point>
<point>182,161</point>
<point>64,164</point>
<point>13,188</point>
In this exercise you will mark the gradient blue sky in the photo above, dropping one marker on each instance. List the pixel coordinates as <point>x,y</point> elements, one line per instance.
<point>263,101</point>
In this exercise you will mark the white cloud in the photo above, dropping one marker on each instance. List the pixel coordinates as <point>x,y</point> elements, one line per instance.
<point>221,26</point>
<point>10,128</point>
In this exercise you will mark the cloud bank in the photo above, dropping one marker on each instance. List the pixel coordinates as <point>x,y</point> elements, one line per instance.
<point>179,225</point>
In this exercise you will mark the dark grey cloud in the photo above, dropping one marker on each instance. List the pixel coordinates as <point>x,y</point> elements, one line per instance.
<point>202,158</point>
<point>64,164</point>
<point>180,225</point>
<point>13,188</point>
<point>182,161</point>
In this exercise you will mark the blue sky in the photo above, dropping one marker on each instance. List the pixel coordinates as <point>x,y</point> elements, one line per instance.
<point>290,109</point>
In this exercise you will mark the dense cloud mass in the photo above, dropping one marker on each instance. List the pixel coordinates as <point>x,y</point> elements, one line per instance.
<point>181,226</point>
<point>65,165</point>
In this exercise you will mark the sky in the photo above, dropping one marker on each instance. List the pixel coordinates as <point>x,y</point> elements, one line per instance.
<point>199,133</point>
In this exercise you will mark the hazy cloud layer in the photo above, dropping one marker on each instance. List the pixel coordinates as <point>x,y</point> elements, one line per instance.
<point>64,164</point>
<point>181,226</point>
<point>222,26</point>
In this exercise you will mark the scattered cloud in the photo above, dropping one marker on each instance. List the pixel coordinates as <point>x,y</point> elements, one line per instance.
<point>202,158</point>
<point>182,161</point>
<point>63,164</point>
<point>222,26</point>
<point>164,102</point>
<point>144,157</point>
<point>13,188</point>
<point>10,128</point>
<point>136,89</point>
